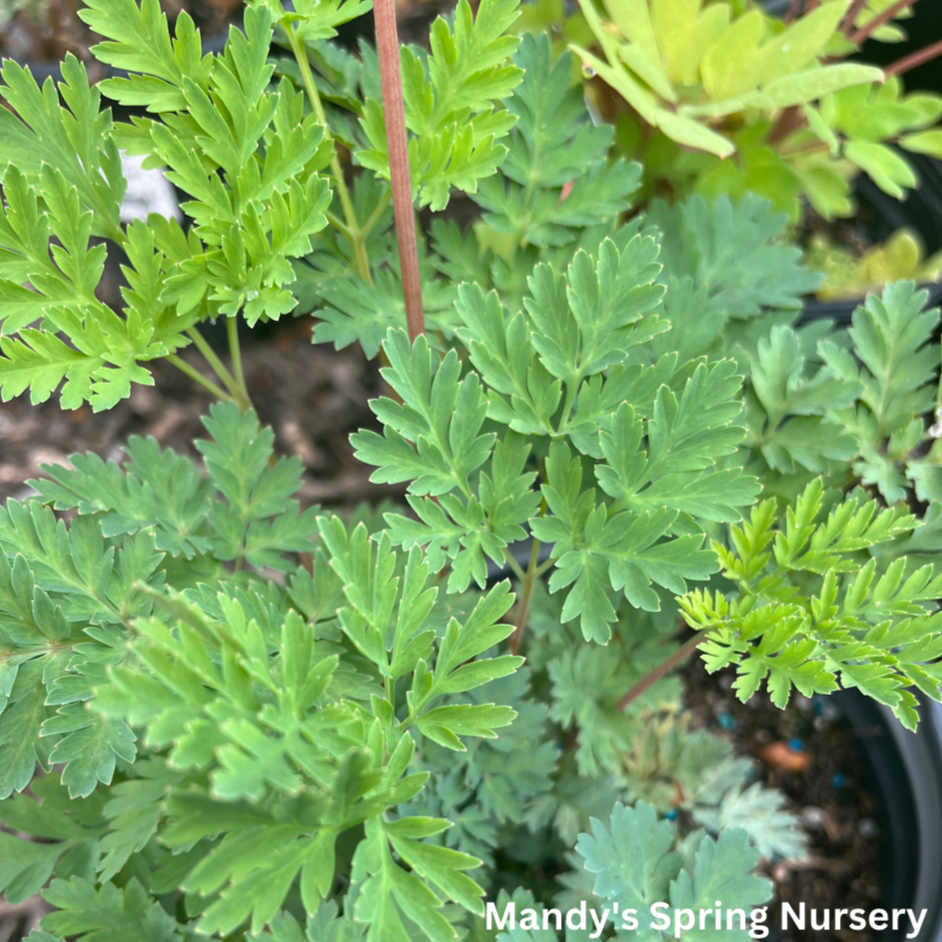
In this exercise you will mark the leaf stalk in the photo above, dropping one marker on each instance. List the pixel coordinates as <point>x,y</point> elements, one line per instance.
<point>241,395</point>
<point>528,580</point>
<point>665,667</point>
<point>920,57</point>
<point>351,229</point>
<point>198,377</point>
<point>213,360</point>
<point>869,28</point>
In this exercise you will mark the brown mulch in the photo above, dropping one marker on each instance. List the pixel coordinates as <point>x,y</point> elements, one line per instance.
<point>312,396</point>
<point>824,786</point>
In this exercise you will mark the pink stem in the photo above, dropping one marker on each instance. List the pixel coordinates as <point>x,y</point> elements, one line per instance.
<point>387,46</point>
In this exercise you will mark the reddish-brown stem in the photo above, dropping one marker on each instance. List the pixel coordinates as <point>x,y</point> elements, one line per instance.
<point>914,59</point>
<point>867,30</point>
<point>387,47</point>
<point>665,667</point>
<point>792,10</point>
<point>789,120</point>
<point>847,24</point>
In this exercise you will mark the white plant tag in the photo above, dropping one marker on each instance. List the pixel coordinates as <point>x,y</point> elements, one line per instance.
<point>149,191</point>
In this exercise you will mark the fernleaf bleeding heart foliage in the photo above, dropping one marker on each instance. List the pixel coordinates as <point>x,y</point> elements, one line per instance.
<point>225,716</point>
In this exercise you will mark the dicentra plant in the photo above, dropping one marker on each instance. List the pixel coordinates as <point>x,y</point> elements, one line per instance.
<point>222,716</point>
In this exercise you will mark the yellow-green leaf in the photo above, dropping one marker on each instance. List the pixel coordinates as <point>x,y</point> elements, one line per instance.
<point>923,142</point>
<point>633,20</point>
<point>731,64</point>
<point>821,129</point>
<point>621,80</point>
<point>801,43</point>
<point>813,84</point>
<point>887,169</point>
<point>692,133</point>
<point>651,72</point>
<point>684,36</point>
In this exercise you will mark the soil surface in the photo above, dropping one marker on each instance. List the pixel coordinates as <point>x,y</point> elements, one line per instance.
<point>312,396</point>
<point>809,753</point>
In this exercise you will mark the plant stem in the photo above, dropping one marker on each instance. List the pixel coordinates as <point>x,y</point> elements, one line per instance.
<point>568,404</point>
<point>914,59</point>
<point>789,120</point>
<point>213,360</point>
<point>387,47</point>
<point>545,567</point>
<point>338,225</point>
<point>792,11</point>
<point>528,580</point>
<point>370,223</point>
<point>195,374</point>
<point>665,667</point>
<point>846,25</point>
<point>241,394</point>
<point>865,31</point>
<point>514,565</point>
<point>351,229</point>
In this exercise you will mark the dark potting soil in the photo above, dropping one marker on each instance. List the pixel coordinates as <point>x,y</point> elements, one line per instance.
<point>43,32</point>
<point>313,397</point>
<point>810,754</point>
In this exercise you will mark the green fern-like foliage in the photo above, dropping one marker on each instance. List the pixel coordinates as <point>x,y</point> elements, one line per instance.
<point>555,180</point>
<point>635,860</point>
<point>854,404</point>
<point>813,610</point>
<point>555,188</point>
<point>245,694</point>
<point>450,97</point>
<point>243,153</point>
<point>224,716</point>
<point>558,372</point>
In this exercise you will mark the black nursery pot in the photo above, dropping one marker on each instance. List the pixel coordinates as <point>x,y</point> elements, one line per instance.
<point>920,212</point>
<point>904,775</point>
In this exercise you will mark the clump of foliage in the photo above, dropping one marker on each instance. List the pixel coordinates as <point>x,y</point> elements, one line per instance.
<point>725,99</point>
<point>227,717</point>
<point>846,275</point>
<point>773,96</point>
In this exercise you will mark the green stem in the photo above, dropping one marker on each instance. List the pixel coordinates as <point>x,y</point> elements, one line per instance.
<point>545,567</point>
<point>351,230</point>
<point>241,394</point>
<point>514,565</point>
<point>339,226</point>
<point>213,360</point>
<point>567,406</point>
<point>667,665</point>
<point>370,223</point>
<point>194,374</point>
<point>528,580</point>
